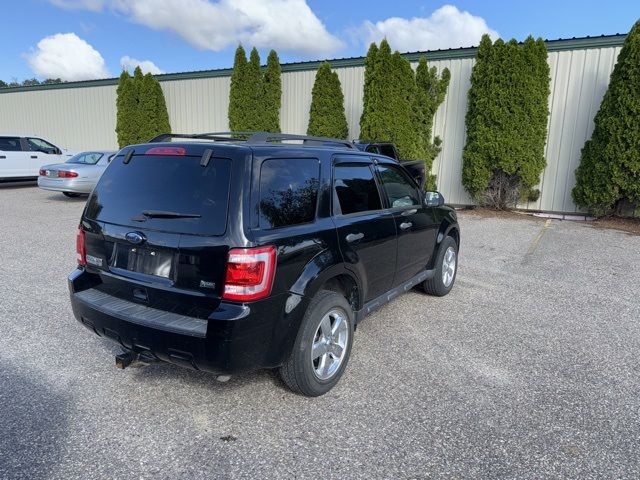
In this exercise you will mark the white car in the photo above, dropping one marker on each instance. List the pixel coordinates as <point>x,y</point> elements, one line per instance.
<point>22,156</point>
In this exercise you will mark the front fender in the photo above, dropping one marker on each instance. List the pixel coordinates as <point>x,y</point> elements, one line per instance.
<point>448,226</point>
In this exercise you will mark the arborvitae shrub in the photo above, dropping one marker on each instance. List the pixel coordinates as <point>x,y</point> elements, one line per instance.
<point>608,178</point>
<point>326,115</point>
<point>141,109</point>
<point>254,97</point>
<point>506,122</point>
<point>399,105</point>
<point>272,96</point>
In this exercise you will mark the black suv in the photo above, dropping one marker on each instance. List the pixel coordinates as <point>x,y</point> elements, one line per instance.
<point>230,255</point>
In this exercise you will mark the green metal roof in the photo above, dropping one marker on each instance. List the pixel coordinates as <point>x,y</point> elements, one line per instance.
<point>448,54</point>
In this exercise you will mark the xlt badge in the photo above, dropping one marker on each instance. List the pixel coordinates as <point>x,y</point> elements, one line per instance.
<point>204,284</point>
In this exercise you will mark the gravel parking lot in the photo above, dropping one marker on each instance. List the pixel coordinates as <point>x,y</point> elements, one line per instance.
<point>528,369</point>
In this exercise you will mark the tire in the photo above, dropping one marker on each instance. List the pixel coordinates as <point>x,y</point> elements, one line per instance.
<point>314,377</point>
<point>439,285</point>
<point>71,194</point>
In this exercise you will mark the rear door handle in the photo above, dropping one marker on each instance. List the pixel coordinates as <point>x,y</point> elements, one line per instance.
<point>34,156</point>
<point>352,237</point>
<point>3,156</point>
<point>405,225</point>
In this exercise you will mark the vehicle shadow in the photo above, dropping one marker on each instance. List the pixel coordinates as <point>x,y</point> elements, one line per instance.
<point>59,197</point>
<point>15,185</point>
<point>33,420</point>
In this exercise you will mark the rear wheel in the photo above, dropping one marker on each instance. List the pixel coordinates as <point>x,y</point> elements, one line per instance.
<point>446,267</point>
<point>71,194</point>
<point>323,345</point>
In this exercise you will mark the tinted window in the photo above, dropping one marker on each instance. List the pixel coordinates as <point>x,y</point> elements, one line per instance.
<point>90,158</point>
<point>288,191</point>
<point>172,184</point>
<point>397,187</point>
<point>10,144</point>
<point>372,149</point>
<point>388,150</point>
<point>356,189</point>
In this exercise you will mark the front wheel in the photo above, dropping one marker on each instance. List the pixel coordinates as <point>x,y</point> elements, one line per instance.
<point>323,345</point>
<point>446,267</point>
<point>71,194</point>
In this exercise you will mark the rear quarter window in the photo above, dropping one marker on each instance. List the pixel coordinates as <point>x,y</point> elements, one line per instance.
<point>288,192</point>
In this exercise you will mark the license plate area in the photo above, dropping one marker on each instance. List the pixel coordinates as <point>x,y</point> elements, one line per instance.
<point>149,261</point>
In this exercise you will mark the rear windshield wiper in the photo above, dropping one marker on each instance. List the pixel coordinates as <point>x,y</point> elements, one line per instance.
<point>164,214</point>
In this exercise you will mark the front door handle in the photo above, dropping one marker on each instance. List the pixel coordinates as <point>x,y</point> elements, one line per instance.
<point>34,156</point>
<point>405,225</point>
<point>352,237</point>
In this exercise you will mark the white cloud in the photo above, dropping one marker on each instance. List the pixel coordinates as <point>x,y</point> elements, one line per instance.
<point>287,25</point>
<point>147,66</point>
<point>447,27</point>
<point>66,56</point>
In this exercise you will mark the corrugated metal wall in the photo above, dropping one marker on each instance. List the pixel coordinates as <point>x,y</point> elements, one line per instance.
<point>84,118</point>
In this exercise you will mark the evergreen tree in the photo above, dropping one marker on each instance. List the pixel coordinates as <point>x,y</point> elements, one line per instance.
<point>272,95</point>
<point>370,94</point>
<point>326,115</point>
<point>506,122</point>
<point>141,108</point>
<point>608,177</point>
<point>126,104</point>
<point>237,94</point>
<point>162,114</point>
<point>253,101</point>
<point>404,120</point>
<point>152,109</point>
<point>399,105</point>
<point>431,90</point>
<point>388,100</point>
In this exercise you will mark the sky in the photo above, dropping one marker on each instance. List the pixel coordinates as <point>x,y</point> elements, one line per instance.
<point>88,39</point>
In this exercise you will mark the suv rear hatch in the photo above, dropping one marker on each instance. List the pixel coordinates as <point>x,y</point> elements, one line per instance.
<point>155,227</point>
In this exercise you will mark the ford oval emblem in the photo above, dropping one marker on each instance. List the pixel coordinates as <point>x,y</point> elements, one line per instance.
<point>135,237</point>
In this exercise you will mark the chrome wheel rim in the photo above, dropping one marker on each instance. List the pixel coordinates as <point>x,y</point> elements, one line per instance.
<point>448,266</point>
<point>329,344</point>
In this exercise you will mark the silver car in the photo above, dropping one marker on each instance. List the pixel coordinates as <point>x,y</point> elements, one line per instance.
<point>76,176</point>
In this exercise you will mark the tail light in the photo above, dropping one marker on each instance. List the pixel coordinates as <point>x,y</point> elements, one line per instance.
<point>42,172</point>
<point>250,273</point>
<point>81,250</point>
<point>66,174</point>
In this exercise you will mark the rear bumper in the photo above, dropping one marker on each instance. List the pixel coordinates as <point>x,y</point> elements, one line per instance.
<point>235,338</point>
<point>70,185</point>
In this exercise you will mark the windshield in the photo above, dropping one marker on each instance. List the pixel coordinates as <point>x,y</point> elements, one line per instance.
<point>86,158</point>
<point>172,194</point>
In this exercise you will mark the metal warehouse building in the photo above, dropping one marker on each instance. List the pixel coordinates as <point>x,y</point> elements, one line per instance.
<point>82,115</point>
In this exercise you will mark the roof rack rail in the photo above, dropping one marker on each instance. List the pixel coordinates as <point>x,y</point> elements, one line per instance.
<point>265,137</point>
<point>253,138</point>
<point>215,136</point>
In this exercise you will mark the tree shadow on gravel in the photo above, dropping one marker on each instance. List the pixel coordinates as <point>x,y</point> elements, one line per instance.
<point>33,421</point>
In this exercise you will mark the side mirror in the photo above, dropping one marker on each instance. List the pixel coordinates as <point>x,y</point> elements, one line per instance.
<point>433,199</point>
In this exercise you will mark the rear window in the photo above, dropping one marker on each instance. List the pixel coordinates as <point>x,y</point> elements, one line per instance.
<point>288,191</point>
<point>88,158</point>
<point>177,184</point>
